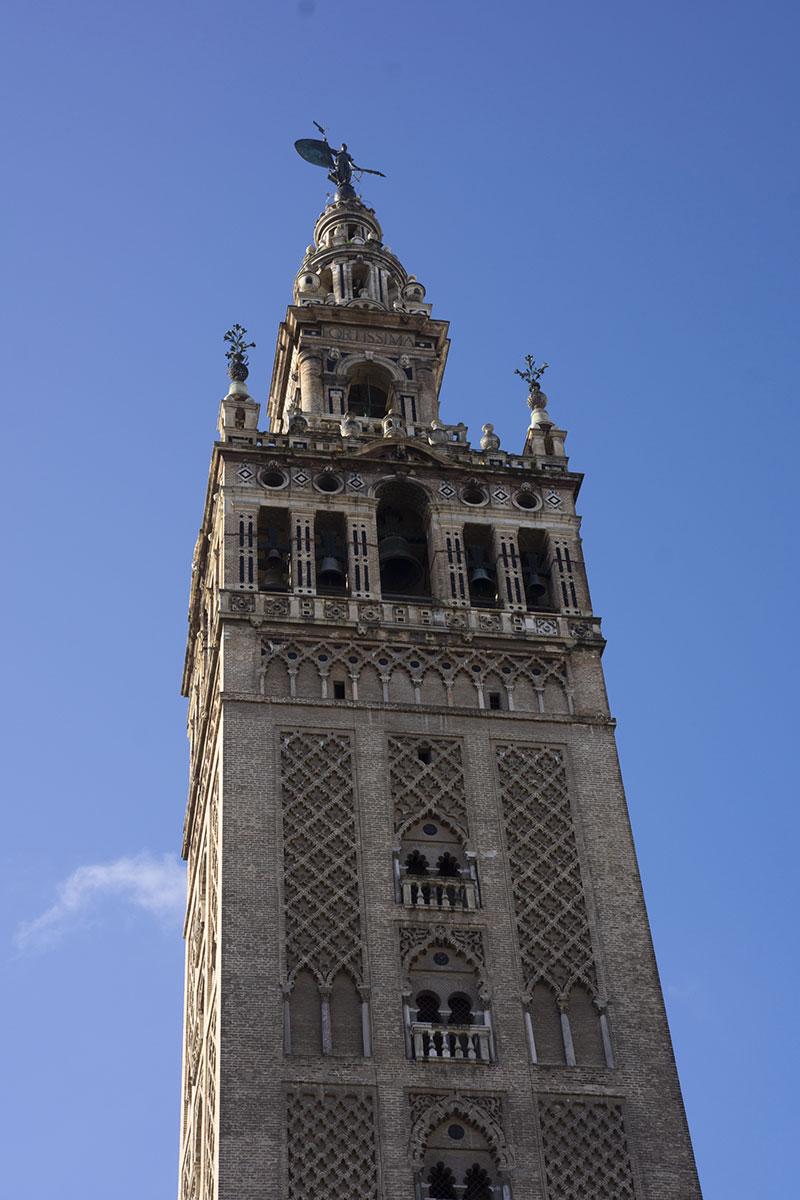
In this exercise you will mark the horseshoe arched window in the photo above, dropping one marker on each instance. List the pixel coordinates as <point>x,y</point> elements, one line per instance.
<point>459,1164</point>
<point>434,869</point>
<point>447,1017</point>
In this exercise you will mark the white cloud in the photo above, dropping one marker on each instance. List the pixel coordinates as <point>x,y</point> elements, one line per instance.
<point>157,885</point>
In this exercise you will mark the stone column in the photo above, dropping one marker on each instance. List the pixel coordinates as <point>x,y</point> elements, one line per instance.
<point>510,589</point>
<point>566,1033</point>
<point>301,540</point>
<point>448,562</point>
<point>363,571</point>
<point>366,1038</point>
<point>310,368</point>
<point>325,1004</point>
<point>568,579</point>
<point>241,548</point>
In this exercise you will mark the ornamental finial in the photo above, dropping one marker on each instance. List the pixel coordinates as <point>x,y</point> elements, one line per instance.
<point>236,353</point>
<point>532,374</point>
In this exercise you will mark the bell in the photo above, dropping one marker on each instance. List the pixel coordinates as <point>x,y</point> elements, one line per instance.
<point>534,578</point>
<point>274,577</point>
<point>330,573</point>
<point>400,569</point>
<point>481,584</point>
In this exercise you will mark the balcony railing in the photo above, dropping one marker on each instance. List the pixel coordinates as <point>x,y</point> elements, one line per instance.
<point>440,892</point>
<point>462,1043</point>
<point>496,1190</point>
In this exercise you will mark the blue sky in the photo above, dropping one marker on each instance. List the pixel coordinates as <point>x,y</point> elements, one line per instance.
<point>613,188</point>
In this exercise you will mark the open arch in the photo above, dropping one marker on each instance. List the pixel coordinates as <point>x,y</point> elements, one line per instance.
<point>370,389</point>
<point>403,539</point>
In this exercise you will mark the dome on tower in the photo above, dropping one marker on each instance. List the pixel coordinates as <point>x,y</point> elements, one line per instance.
<point>349,265</point>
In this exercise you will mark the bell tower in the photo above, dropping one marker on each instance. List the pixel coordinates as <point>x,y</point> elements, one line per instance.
<point>418,959</point>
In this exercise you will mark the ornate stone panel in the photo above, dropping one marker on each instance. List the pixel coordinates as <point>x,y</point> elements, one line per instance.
<point>319,852</point>
<point>426,775</point>
<point>429,1109</point>
<point>552,923</point>
<point>331,1144</point>
<point>585,1150</point>
<point>416,939</point>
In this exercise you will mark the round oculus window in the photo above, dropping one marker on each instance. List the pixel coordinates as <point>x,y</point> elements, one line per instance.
<point>526,499</point>
<point>474,495</point>
<point>272,478</point>
<point>430,829</point>
<point>328,482</point>
<point>456,1132</point>
<point>441,959</point>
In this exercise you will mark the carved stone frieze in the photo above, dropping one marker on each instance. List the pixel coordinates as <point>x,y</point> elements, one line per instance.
<point>242,603</point>
<point>277,607</point>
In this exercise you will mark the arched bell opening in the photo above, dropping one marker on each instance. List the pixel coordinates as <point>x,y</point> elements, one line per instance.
<point>326,284</point>
<point>361,281</point>
<point>403,541</point>
<point>273,550</point>
<point>331,554</point>
<point>369,391</point>
<point>481,569</point>
<point>534,556</point>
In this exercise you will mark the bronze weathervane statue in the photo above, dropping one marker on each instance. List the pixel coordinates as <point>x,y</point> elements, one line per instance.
<point>339,163</point>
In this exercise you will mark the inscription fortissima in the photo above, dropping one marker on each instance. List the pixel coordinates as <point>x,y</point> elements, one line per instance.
<point>368,337</point>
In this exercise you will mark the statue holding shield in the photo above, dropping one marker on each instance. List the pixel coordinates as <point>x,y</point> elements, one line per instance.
<point>339,163</point>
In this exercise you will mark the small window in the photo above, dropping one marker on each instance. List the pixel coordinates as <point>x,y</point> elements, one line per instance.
<point>338,689</point>
<point>494,700</point>
<point>424,754</point>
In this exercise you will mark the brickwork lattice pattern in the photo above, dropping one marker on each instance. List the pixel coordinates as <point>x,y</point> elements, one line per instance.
<point>585,1150</point>
<point>552,922</point>
<point>332,1153</point>
<point>323,929</point>
<point>419,787</point>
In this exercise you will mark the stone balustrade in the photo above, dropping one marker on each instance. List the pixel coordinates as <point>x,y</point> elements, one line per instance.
<point>446,894</point>
<point>445,1043</point>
